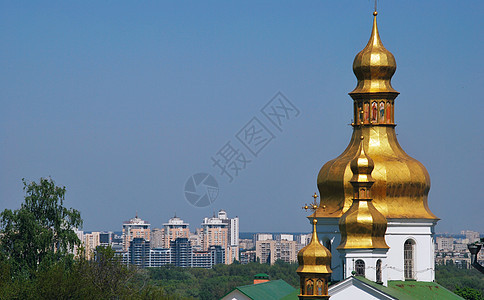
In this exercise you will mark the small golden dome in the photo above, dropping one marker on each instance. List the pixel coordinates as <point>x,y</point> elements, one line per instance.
<point>374,66</point>
<point>314,258</point>
<point>362,226</point>
<point>362,166</point>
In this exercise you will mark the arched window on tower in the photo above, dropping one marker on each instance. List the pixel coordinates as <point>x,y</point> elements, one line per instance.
<point>360,268</point>
<point>378,271</point>
<point>327,244</point>
<point>408,259</point>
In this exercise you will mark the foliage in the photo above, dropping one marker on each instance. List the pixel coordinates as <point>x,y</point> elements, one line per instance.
<point>40,233</point>
<point>463,281</point>
<point>194,283</point>
<point>103,278</point>
<point>469,293</point>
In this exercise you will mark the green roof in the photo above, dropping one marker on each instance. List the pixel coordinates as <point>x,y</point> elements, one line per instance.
<point>292,296</point>
<point>271,290</point>
<point>422,290</point>
<point>386,289</point>
<point>412,289</point>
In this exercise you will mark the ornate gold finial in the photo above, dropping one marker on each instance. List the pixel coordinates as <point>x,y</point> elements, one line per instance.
<point>312,206</point>
<point>374,66</point>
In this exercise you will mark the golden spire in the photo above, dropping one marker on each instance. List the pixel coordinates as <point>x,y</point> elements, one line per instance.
<point>362,226</point>
<point>314,269</point>
<point>314,258</point>
<point>374,66</point>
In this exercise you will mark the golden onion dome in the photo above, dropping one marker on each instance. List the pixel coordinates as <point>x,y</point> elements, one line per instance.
<point>374,66</point>
<point>314,258</point>
<point>362,166</point>
<point>401,182</point>
<point>362,226</point>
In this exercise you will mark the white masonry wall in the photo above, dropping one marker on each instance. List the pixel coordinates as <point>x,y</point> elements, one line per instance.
<point>421,231</point>
<point>370,257</point>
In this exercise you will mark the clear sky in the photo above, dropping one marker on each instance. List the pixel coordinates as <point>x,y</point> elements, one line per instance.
<point>122,101</point>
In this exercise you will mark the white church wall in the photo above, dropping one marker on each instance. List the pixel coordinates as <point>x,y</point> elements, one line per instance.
<point>370,258</point>
<point>419,231</point>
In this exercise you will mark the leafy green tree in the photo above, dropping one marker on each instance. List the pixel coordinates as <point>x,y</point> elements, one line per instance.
<point>40,232</point>
<point>469,293</point>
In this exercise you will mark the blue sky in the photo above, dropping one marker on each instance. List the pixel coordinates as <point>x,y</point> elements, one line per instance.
<point>122,102</point>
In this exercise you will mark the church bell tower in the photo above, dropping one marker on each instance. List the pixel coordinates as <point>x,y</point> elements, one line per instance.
<point>400,183</point>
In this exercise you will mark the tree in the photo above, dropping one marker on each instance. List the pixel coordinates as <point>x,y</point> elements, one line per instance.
<point>469,293</point>
<point>41,231</point>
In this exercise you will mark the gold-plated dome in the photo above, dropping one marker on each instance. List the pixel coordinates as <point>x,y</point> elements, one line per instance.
<point>374,66</point>
<point>314,258</point>
<point>362,226</point>
<point>362,166</point>
<point>401,182</point>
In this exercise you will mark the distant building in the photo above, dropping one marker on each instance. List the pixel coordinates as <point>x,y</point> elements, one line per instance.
<point>196,240</point>
<point>160,257</point>
<point>460,248</point>
<point>444,243</point>
<point>246,244</point>
<point>207,259</point>
<point>471,236</point>
<point>181,252</point>
<point>269,251</point>
<point>80,236</point>
<point>139,252</point>
<point>262,237</point>
<point>156,236</point>
<point>135,228</point>
<point>247,256</point>
<point>175,228</point>
<point>106,238</point>
<point>90,242</point>
<point>232,252</point>
<point>285,237</point>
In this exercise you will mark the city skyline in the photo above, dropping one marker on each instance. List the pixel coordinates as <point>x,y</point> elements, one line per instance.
<point>122,104</point>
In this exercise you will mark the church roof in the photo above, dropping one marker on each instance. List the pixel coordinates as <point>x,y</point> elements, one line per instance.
<point>422,290</point>
<point>402,290</point>
<point>271,290</point>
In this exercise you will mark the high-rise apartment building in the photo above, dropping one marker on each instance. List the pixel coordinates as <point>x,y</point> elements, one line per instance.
<point>175,228</point>
<point>214,233</point>
<point>90,242</point>
<point>156,238</point>
<point>181,252</point>
<point>106,238</point>
<point>232,252</point>
<point>139,252</point>
<point>269,251</point>
<point>160,257</point>
<point>135,228</point>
